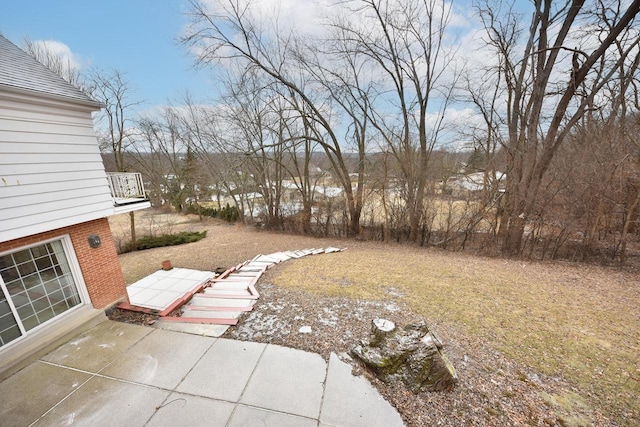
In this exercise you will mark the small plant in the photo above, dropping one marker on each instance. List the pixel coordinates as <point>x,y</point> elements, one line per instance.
<point>148,242</point>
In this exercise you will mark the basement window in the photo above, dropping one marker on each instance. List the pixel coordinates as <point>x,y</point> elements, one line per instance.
<point>37,285</point>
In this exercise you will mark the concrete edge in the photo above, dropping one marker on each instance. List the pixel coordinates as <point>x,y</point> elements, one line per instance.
<point>43,341</point>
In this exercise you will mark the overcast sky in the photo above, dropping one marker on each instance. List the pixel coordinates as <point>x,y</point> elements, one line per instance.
<point>135,36</point>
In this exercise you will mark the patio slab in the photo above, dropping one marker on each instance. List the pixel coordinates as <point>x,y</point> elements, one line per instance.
<point>193,411</point>
<point>30,397</point>
<point>351,401</point>
<point>151,377</point>
<point>94,349</point>
<point>287,380</point>
<point>161,358</point>
<point>163,287</point>
<point>249,416</point>
<point>207,330</point>
<point>224,370</point>
<point>103,401</point>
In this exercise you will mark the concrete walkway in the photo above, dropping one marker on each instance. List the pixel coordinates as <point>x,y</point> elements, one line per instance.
<point>126,375</point>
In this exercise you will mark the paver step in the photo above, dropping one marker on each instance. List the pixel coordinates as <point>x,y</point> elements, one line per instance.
<point>231,285</point>
<point>230,296</point>
<point>227,291</point>
<point>220,302</point>
<point>216,308</point>
<point>207,320</point>
<point>208,314</point>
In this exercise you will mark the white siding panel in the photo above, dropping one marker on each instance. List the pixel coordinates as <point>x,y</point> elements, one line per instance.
<point>39,148</point>
<point>61,177</point>
<point>15,171</point>
<point>42,138</point>
<point>29,116</point>
<point>84,129</point>
<point>48,207</point>
<point>46,157</point>
<point>13,107</point>
<point>19,194</point>
<point>20,227</point>
<point>51,171</point>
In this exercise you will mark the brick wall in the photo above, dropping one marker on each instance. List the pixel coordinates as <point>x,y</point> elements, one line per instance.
<point>100,266</point>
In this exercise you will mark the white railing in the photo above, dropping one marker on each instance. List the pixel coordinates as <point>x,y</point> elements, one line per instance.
<point>126,186</point>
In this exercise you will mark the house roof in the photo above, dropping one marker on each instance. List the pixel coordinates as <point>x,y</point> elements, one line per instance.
<point>19,71</point>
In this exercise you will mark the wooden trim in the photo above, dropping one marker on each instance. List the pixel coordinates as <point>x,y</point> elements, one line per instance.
<point>184,299</point>
<point>129,307</point>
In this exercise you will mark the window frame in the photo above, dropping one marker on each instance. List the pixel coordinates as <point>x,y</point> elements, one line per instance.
<point>76,274</point>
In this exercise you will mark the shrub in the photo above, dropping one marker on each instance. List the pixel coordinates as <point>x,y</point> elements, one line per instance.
<point>227,213</point>
<point>148,242</point>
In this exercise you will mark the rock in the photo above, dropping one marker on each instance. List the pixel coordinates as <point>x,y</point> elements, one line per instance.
<point>305,330</point>
<point>413,355</point>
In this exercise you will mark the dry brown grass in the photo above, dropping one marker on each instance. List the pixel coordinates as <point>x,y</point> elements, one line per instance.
<point>580,322</point>
<point>575,321</point>
<point>225,245</point>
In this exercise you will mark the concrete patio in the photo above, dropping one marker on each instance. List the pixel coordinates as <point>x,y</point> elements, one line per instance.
<point>121,374</point>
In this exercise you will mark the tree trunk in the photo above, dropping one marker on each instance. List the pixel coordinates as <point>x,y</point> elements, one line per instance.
<point>306,218</point>
<point>132,224</point>
<point>625,228</point>
<point>512,242</point>
<point>354,224</point>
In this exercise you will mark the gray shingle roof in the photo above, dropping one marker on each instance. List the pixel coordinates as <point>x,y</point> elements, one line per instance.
<point>19,70</point>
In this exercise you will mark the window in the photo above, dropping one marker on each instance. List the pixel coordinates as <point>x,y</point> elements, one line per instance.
<point>37,285</point>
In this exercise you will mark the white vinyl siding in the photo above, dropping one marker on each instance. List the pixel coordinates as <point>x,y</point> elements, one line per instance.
<point>51,171</point>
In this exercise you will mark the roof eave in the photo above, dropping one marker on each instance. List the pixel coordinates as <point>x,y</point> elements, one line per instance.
<point>90,103</point>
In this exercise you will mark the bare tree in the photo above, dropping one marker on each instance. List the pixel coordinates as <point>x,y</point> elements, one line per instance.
<point>550,84</point>
<point>228,32</point>
<point>113,122</point>
<point>162,135</point>
<point>57,62</point>
<point>405,41</point>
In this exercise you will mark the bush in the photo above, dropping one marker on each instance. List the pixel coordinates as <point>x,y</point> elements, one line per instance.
<point>201,210</point>
<point>148,242</point>
<point>227,213</point>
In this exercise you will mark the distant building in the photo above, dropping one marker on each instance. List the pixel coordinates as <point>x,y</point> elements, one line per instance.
<point>463,185</point>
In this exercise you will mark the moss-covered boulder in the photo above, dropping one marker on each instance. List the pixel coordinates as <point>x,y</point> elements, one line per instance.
<point>413,355</point>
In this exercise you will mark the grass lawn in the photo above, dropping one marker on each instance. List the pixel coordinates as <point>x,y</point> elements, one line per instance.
<point>576,321</point>
<point>579,322</point>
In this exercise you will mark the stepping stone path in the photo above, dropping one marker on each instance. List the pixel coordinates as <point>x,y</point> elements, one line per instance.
<point>224,299</point>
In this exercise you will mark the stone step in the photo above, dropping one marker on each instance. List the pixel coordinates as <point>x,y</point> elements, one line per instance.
<point>210,314</point>
<point>220,302</point>
<point>230,285</point>
<point>228,295</point>
<point>193,307</point>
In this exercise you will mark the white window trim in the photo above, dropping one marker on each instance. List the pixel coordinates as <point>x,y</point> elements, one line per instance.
<point>76,273</point>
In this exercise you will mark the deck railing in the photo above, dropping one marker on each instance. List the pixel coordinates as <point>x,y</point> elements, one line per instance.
<point>125,185</point>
